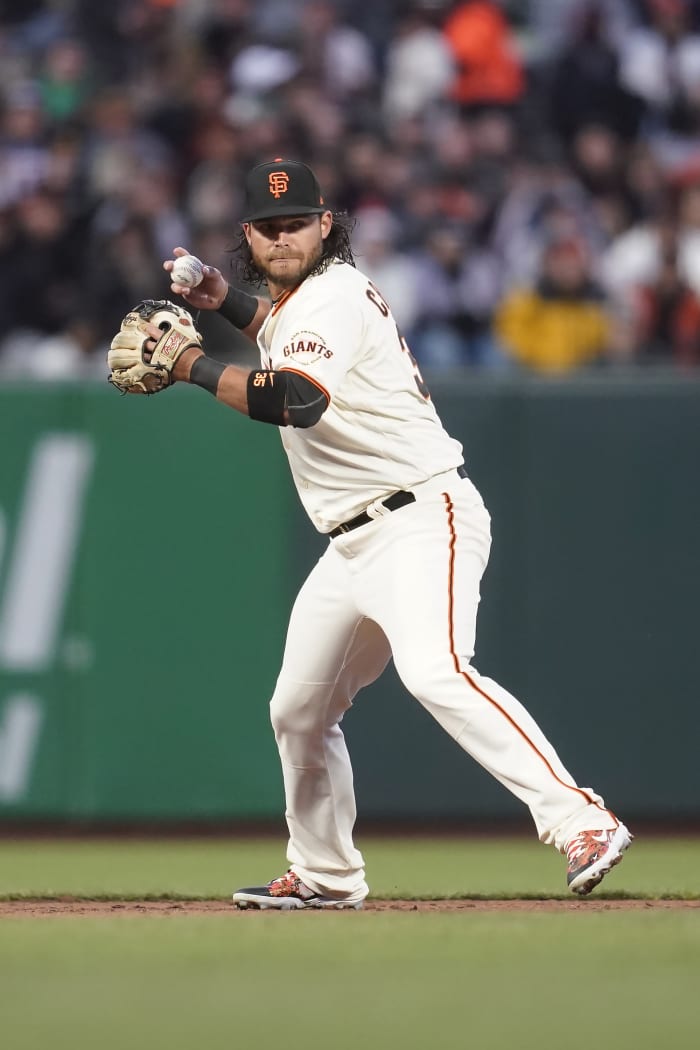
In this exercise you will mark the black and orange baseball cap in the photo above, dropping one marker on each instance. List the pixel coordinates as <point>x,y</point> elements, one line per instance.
<point>281,187</point>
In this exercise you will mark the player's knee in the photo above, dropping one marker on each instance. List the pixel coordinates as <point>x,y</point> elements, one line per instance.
<point>282,711</point>
<point>297,708</point>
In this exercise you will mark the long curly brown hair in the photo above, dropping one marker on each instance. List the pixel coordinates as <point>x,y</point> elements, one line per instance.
<point>335,246</point>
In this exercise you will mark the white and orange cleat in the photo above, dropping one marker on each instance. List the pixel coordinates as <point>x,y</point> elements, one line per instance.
<point>286,893</point>
<point>591,855</point>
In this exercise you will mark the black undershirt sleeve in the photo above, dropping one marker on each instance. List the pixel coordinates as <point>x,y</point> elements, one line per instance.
<point>306,403</point>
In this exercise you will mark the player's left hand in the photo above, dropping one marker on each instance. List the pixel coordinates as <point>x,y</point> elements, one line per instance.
<point>152,338</point>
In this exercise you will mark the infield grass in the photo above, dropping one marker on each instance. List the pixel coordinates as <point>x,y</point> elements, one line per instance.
<point>352,980</point>
<point>408,867</point>
<point>315,981</point>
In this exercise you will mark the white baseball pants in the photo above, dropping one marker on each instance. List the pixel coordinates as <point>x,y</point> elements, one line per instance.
<point>407,585</point>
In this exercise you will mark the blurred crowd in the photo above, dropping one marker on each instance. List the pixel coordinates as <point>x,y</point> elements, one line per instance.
<point>524,175</point>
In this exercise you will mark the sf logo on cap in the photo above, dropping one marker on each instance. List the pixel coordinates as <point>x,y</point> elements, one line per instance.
<point>277,182</point>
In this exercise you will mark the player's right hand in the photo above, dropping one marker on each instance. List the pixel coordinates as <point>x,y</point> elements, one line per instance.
<point>209,294</point>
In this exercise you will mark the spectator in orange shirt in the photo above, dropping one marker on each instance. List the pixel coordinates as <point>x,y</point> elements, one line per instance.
<point>489,70</point>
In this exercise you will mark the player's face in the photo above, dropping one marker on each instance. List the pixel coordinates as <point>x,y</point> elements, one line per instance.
<point>287,249</point>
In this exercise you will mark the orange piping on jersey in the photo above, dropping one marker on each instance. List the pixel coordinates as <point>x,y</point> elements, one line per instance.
<point>283,299</point>
<point>472,683</point>
<point>306,375</point>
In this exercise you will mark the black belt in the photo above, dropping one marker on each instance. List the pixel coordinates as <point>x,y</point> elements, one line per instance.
<point>393,502</point>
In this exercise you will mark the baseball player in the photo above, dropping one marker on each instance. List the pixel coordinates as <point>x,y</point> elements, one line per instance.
<point>408,535</point>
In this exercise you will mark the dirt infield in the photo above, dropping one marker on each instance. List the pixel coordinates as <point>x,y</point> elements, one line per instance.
<point>34,909</point>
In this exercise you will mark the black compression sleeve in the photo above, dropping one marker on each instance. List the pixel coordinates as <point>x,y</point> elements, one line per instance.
<point>267,397</point>
<point>206,372</point>
<point>238,308</point>
<point>285,398</point>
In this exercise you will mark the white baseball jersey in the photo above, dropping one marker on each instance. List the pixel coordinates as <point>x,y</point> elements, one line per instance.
<point>380,432</point>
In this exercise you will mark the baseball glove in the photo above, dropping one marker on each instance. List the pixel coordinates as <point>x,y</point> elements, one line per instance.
<point>136,369</point>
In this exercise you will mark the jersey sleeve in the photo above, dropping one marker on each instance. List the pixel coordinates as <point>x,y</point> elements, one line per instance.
<point>322,341</point>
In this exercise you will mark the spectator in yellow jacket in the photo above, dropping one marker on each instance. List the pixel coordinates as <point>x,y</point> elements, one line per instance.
<point>562,322</point>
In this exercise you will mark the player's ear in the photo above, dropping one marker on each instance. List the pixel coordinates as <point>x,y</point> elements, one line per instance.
<point>246,230</point>
<point>326,223</point>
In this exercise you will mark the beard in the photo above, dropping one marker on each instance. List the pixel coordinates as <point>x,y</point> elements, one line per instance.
<point>292,274</point>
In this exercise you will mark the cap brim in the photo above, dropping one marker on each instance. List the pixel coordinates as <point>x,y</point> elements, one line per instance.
<point>285,211</point>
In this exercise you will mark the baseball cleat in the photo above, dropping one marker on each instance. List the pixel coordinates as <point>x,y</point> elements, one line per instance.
<point>287,893</point>
<point>591,855</point>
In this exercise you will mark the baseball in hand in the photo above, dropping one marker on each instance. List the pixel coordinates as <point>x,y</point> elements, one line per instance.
<point>187,270</point>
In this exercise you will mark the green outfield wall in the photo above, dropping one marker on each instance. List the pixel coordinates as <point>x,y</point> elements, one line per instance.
<point>150,551</point>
